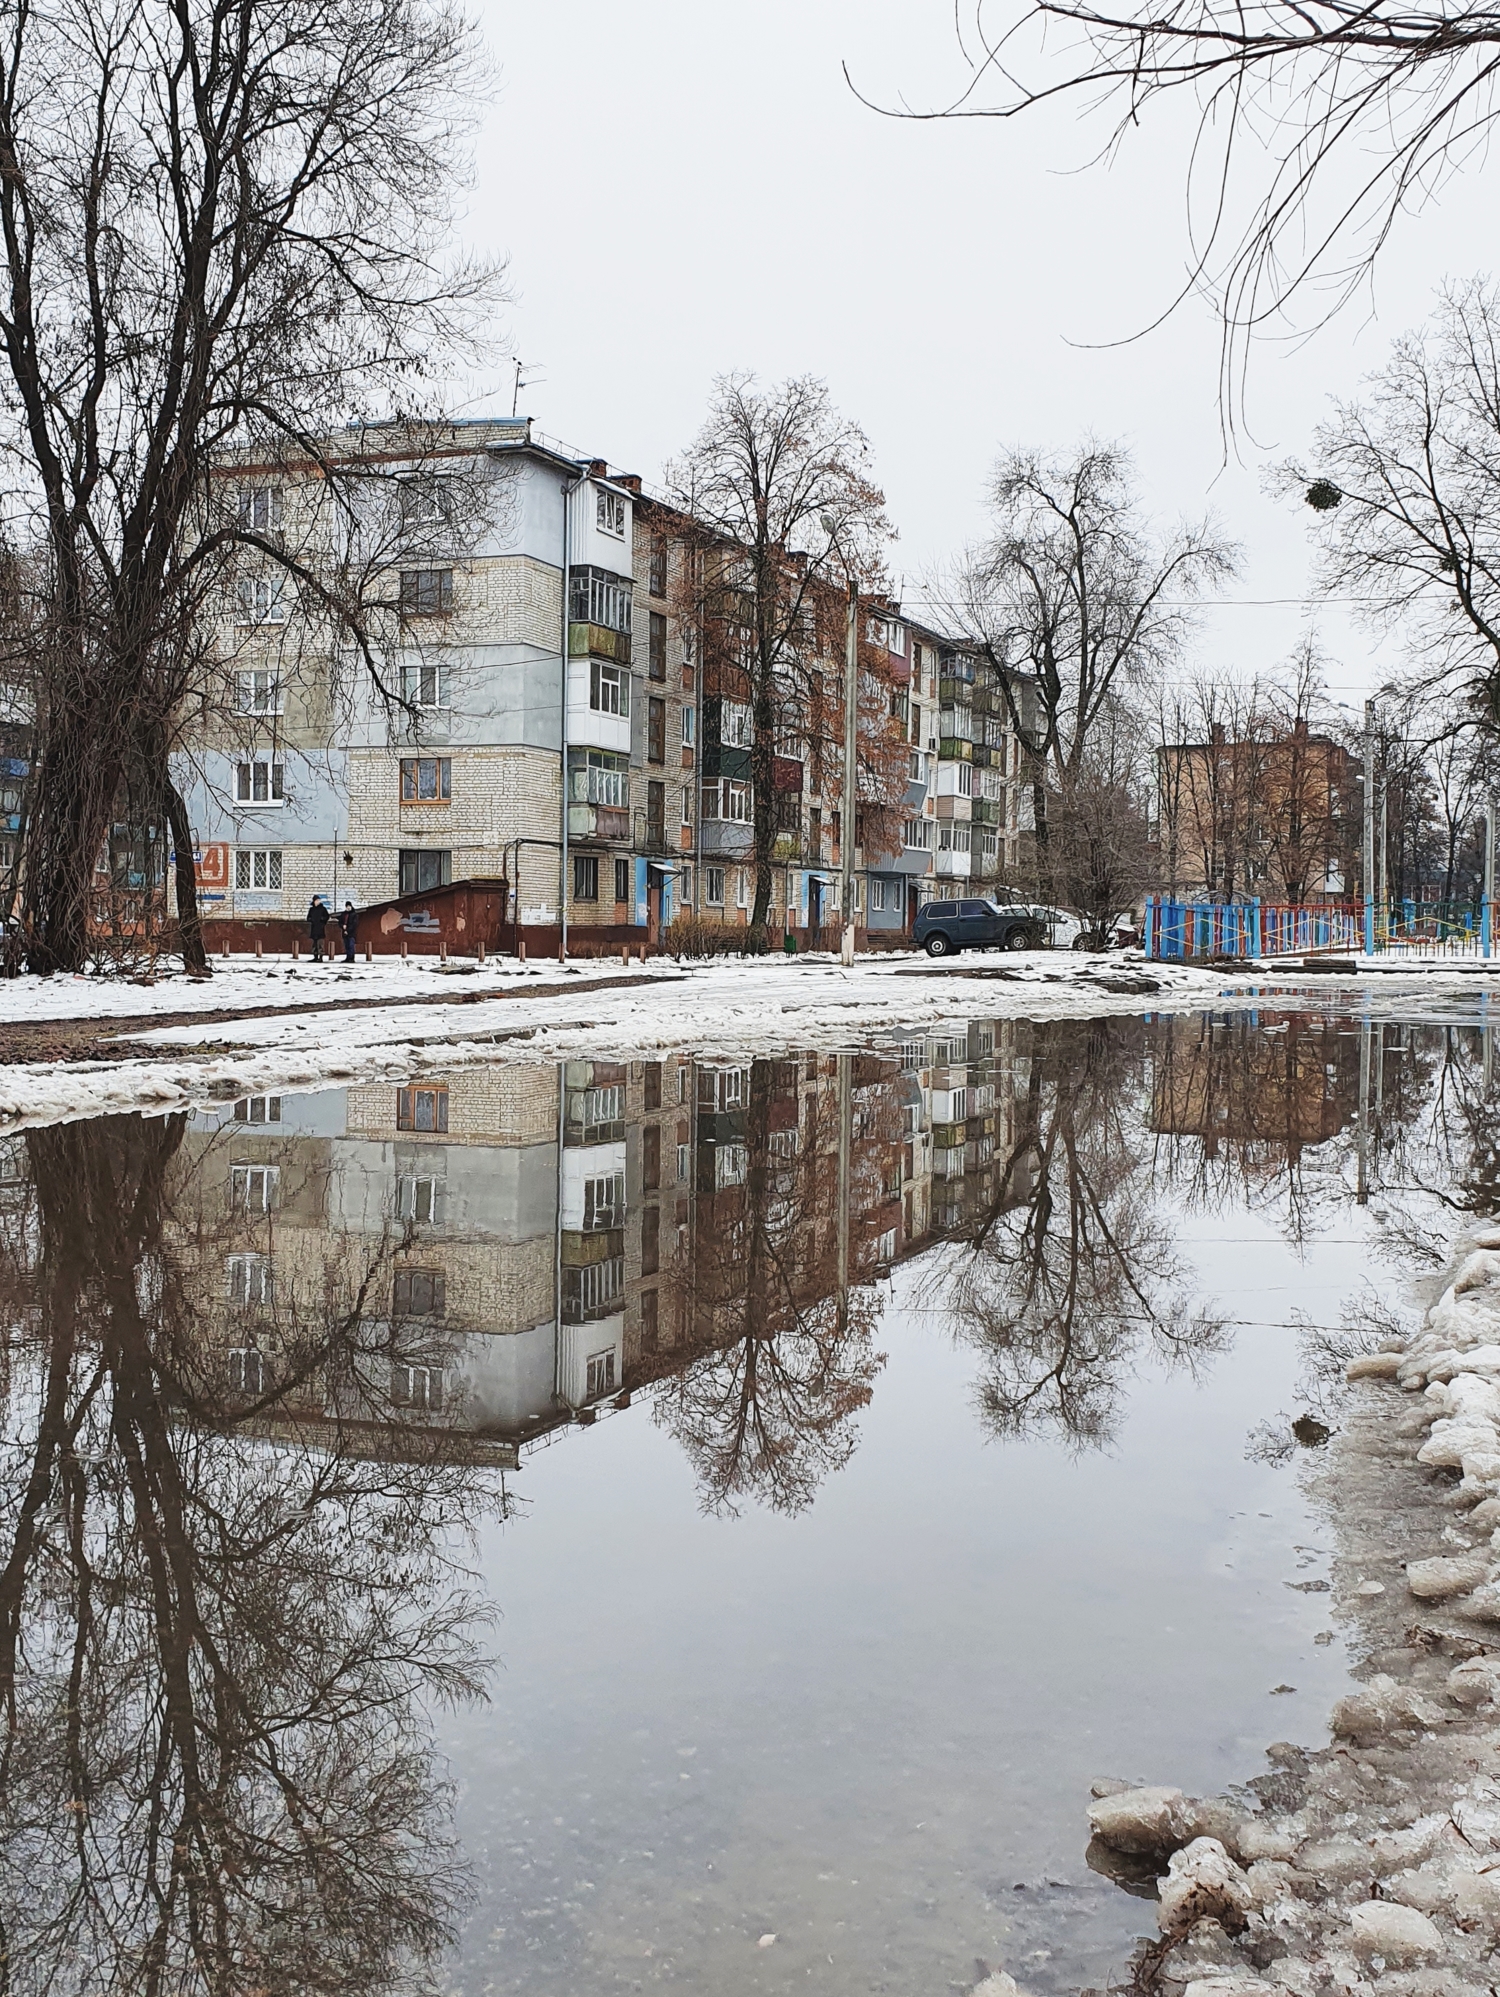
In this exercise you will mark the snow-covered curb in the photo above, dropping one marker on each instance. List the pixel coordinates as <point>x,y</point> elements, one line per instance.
<point>1373,1867</point>
<point>730,1009</point>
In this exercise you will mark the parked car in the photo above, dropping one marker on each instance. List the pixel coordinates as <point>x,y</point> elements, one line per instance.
<point>943,927</point>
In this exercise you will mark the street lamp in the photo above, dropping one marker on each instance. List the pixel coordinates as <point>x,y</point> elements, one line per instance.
<point>851,745</point>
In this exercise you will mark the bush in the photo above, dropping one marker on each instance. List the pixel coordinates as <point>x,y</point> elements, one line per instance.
<point>700,936</point>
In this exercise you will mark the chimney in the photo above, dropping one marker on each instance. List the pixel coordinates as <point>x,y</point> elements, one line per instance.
<point>598,468</point>
<point>631,482</point>
<point>1216,734</point>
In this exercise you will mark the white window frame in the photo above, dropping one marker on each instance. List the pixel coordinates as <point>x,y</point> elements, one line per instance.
<point>253,1188</point>
<point>689,727</point>
<point>609,688</point>
<point>599,1374</point>
<point>735,804</point>
<point>264,501</point>
<point>260,691</point>
<point>245,1361</point>
<point>609,512</point>
<point>260,782</point>
<point>250,1282</point>
<point>424,684</point>
<point>419,1199</point>
<point>258,1109</point>
<point>713,887</point>
<point>258,869</point>
<point>261,599</point>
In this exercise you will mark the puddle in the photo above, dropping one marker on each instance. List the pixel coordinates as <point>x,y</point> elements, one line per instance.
<point>697,1523</point>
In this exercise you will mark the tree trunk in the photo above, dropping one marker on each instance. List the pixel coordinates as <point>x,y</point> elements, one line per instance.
<point>76,782</point>
<point>763,806</point>
<point>189,920</point>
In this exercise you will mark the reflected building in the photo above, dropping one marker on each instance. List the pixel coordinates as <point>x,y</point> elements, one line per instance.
<point>1233,1082</point>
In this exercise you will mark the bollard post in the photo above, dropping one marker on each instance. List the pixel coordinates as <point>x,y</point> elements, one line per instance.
<point>296,948</point>
<point>442,952</point>
<point>624,953</point>
<point>403,949</point>
<point>257,947</point>
<point>369,953</point>
<point>521,949</point>
<point>225,953</point>
<point>481,949</point>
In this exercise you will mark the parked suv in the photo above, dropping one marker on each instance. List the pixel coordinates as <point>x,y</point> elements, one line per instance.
<point>945,926</point>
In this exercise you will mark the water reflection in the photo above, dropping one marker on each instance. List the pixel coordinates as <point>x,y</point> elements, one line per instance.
<point>214,1652</point>
<point>267,1366</point>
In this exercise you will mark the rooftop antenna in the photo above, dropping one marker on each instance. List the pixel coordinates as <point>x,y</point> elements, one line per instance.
<point>520,383</point>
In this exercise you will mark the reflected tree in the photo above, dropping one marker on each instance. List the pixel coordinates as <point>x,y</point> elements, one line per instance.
<point>779,1300</point>
<point>1072,1275</point>
<point>216,1643</point>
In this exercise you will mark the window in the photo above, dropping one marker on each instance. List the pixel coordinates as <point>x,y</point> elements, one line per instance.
<point>247,1370</point>
<point>735,802</point>
<point>964,779</point>
<point>689,727</point>
<point>426,779</point>
<point>425,686</point>
<point>741,888</point>
<point>609,687</point>
<point>261,600</point>
<point>596,596</point>
<point>622,880</point>
<point>731,1165</point>
<point>651,1241</point>
<point>609,511</point>
<point>592,1291</point>
<point>952,838</point>
<point>684,1156</point>
<point>604,1104</point>
<point>258,1109</point>
<point>657,583</point>
<point>656,730</point>
<point>653,1085</point>
<point>916,835</point>
<point>604,1202</point>
<point>585,877</point>
<point>885,1247</point>
<point>602,780</point>
<point>419,1293</point>
<point>251,1284</point>
<point>649,1320</point>
<point>252,1188</point>
<point>258,783</point>
<point>657,646</point>
<point>426,592</point>
<point>422,870</point>
<point>260,508</point>
<point>419,1200</point>
<point>651,1157</point>
<point>260,693</point>
<point>599,1374</point>
<point>257,867</point>
<point>425,502</point>
<point>687,804</point>
<point>713,885</point>
<point>419,1387</point>
<point>422,1109</point>
<point>989,845</point>
<point>736,724</point>
<point>685,885</point>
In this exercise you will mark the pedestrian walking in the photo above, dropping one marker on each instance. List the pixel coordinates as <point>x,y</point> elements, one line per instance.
<point>317,924</point>
<point>349,922</point>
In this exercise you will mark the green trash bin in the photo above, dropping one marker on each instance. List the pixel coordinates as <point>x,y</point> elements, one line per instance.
<point>789,943</point>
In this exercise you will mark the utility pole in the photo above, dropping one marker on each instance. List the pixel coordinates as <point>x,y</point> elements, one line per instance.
<point>1368,883</point>
<point>1487,909</point>
<point>851,768</point>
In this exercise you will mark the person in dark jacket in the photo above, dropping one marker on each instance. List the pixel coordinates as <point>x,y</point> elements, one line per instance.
<point>317,923</point>
<point>349,922</point>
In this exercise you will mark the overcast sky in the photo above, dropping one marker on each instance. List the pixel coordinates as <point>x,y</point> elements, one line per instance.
<point>683,188</point>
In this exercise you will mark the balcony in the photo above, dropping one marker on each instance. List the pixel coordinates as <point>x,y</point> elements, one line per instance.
<point>599,821</point>
<point>955,749</point>
<point>597,641</point>
<point>955,691</point>
<point>725,839</point>
<point>987,810</point>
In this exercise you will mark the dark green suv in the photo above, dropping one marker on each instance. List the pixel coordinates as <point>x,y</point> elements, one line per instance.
<point>945,926</point>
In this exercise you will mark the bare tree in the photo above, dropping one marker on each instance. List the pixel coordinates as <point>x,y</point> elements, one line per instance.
<point>777,495</point>
<point>1076,592</point>
<point>223,226</point>
<point>1316,127</point>
<point>1406,487</point>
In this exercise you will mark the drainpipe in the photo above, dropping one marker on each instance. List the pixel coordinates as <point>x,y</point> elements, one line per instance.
<point>1369,838</point>
<point>568,490</point>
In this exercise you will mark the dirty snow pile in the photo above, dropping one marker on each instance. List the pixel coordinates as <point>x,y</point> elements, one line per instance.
<point>739,1009</point>
<point>1370,1868</point>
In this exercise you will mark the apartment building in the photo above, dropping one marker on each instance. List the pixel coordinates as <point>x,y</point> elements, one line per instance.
<point>542,706</point>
